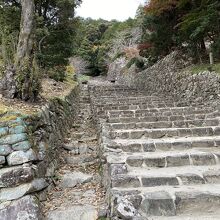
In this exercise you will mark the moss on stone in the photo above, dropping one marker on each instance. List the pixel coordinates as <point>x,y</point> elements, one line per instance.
<point>8,118</point>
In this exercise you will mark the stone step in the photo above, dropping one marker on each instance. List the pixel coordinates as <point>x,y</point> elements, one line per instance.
<point>110,88</point>
<point>126,98</point>
<point>116,94</point>
<point>142,113</point>
<point>138,106</point>
<point>158,133</point>
<point>154,107</point>
<point>133,101</point>
<point>155,118</point>
<point>164,144</point>
<point>75,212</point>
<point>172,176</point>
<point>202,200</point>
<point>173,158</point>
<point>166,124</point>
<point>185,217</point>
<point>152,112</point>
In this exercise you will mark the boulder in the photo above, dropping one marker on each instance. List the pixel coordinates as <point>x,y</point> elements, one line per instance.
<point>17,129</point>
<point>16,175</point>
<point>26,208</point>
<point>77,212</point>
<point>5,150</point>
<point>23,145</point>
<point>125,209</point>
<point>72,146</point>
<point>8,194</point>
<point>20,157</point>
<point>72,179</point>
<point>13,138</point>
<point>2,160</point>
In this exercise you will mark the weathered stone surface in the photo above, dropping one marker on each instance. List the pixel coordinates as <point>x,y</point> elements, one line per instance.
<point>20,157</point>
<point>149,147</point>
<point>13,176</point>
<point>83,149</point>
<point>75,160</point>
<point>24,146</point>
<point>72,179</point>
<point>3,131</point>
<point>125,181</point>
<point>73,146</point>
<point>8,83</point>
<point>26,208</point>
<point>42,150</point>
<point>125,209</point>
<point>202,159</point>
<point>212,177</point>
<point>161,139</point>
<point>5,150</point>
<point>7,194</point>
<point>158,181</point>
<point>190,179</point>
<point>135,161</point>
<point>155,162</point>
<point>86,212</point>
<point>178,160</point>
<point>17,130</point>
<point>158,203</point>
<point>116,169</point>
<point>13,138</point>
<point>196,201</point>
<point>2,159</point>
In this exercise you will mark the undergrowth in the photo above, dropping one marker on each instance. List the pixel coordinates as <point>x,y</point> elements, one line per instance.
<point>204,67</point>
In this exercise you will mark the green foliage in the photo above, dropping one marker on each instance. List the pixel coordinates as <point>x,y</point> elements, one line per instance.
<point>118,55</point>
<point>9,29</point>
<point>216,49</point>
<point>139,63</point>
<point>83,78</point>
<point>204,67</point>
<point>55,32</point>
<point>28,80</point>
<point>57,73</point>
<point>174,24</point>
<point>95,41</point>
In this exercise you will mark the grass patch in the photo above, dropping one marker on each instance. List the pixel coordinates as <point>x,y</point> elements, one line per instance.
<point>83,78</point>
<point>204,67</point>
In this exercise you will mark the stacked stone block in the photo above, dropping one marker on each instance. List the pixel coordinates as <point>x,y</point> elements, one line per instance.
<point>160,157</point>
<point>29,147</point>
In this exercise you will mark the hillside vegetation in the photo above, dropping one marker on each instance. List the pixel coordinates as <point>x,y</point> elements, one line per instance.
<point>60,45</point>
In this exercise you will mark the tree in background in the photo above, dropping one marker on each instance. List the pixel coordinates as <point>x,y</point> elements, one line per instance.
<point>56,32</point>
<point>47,30</point>
<point>173,24</point>
<point>20,79</point>
<point>97,41</point>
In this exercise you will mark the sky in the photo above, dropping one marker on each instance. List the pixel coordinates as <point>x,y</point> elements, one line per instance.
<point>109,9</point>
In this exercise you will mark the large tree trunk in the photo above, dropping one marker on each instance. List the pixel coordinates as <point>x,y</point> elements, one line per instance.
<point>22,81</point>
<point>25,43</point>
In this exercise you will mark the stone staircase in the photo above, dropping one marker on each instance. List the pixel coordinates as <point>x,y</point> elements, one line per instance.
<point>160,157</point>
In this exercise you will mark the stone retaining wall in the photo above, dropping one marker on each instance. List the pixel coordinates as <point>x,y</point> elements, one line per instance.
<point>169,77</point>
<point>29,147</point>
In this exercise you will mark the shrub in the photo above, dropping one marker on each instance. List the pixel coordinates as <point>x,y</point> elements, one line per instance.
<point>216,49</point>
<point>118,55</point>
<point>57,73</point>
<point>139,63</point>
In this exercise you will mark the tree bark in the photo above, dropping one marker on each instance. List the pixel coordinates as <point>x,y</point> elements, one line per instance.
<point>25,42</point>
